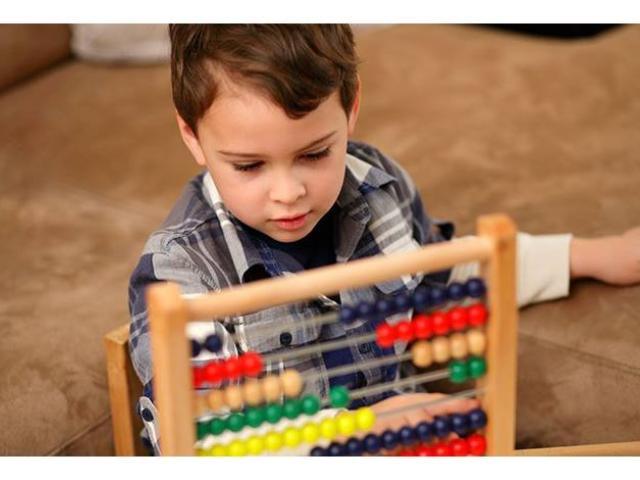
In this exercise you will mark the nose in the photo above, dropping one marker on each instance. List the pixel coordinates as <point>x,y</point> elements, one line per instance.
<point>287,189</point>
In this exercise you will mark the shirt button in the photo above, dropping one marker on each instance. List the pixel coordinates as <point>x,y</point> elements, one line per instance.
<point>364,348</point>
<point>147,415</point>
<point>285,339</point>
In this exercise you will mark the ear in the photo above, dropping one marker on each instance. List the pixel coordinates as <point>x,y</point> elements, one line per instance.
<point>355,109</point>
<point>190,139</point>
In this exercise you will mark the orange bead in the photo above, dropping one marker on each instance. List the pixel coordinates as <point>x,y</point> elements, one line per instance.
<point>476,341</point>
<point>252,389</point>
<point>233,397</point>
<point>421,354</point>
<point>215,399</point>
<point>440,349</point>
<point>271,388</point>
<point>291,382</point>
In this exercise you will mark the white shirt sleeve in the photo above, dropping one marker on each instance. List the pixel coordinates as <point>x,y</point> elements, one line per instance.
<point>542,268</point>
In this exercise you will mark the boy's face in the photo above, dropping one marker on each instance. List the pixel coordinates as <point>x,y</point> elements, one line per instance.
<point>278,175</point>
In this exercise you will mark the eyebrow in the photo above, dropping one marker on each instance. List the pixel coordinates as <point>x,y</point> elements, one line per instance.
<point>254,155</point>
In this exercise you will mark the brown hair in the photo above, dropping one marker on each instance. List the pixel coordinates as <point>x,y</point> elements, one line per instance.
<point>296,66</point>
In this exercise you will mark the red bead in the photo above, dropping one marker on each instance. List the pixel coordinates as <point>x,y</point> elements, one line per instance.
<point>459,447</point>
<point>477,444</point>
<point>233,368</point>
<point>214,372</point>
<point>458,318</point>
<point>440,323</point>
<point>251,364</point>
<point>442,450</point>
<point>477,314</point>
<point>385,335</point>
<point>404,330</point>
<point>425,451</point>
<point>406,452</point>
<point>198,376</point>
<point>422,326</point>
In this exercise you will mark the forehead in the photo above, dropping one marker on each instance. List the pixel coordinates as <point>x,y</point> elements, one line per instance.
<point>244,120</point>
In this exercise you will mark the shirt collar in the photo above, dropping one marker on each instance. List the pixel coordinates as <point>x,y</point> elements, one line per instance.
<point>361,178</point>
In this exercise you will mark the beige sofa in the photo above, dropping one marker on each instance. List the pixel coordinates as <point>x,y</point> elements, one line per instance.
<point>90,162</point>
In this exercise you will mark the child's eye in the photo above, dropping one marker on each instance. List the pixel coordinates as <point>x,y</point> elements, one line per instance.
<point>318,155</point>
<point>246,167</point>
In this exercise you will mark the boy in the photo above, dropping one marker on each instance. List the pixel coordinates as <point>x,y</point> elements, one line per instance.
<point>268,111</point>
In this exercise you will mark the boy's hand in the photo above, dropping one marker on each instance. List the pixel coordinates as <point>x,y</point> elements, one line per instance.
<point>420,413</point>
<point>614,259</point>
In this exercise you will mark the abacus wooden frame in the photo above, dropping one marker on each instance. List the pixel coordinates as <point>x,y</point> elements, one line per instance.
<point>493,246</point>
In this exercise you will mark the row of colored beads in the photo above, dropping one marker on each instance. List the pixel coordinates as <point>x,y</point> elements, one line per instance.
<point>248,364</point>
<point>345,423</point>
<point>441,349</point>
<point>272,413</point>
<point>473,368</point>
<point>475,445</point>
<point>252,392</point>
<point>422,298</point>
<point>441,426</point>
<point>424,326</point>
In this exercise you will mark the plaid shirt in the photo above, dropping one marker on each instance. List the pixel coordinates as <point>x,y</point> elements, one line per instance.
<point>203,247</point>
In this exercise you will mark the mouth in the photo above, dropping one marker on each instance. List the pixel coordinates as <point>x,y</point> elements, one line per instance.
<point>293,222</point>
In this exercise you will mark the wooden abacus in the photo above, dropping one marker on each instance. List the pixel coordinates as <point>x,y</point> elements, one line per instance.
<point>169,314</point>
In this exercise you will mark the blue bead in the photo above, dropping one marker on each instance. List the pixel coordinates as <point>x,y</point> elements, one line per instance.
<point>421,298</point>
<point>336,449</point>
<point>477,418</point>
<point>213,343</point>
<point>347,314</point>
<point>365,310</point>
<point>195,348</point>
<point>403,302</point>
<point>384,307</point>
<point>441,426</point>
<point>456,291</point>
<point>459,423</point>
<point>355,447</point>
<point>318,452</point>
<point>424,431</point>
<point>476,287</point>
<point>407,436</point>
<point>389,439</point>
<point>437,296</point>
<point>372,443</point>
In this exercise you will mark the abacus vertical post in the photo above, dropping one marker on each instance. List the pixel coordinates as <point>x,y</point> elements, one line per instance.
<point>502,333</point>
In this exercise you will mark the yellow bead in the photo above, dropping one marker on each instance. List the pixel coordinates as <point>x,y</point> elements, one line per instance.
<point>458,345</point>
<point>440,349</point>
<point>291,382</point>
<point>237,448</point>
<point>255,445</point>
<point>252,391</point>
<point>201,452</point>
<point>477,342</point>
<point>310,433</point>
<point>233,397</point>
<point>272,388</point>
<point>273,441</point>
<point>328,428</point>
<point>346,423</point>
<point>218,451</point>
<point>365,419</point>
<point>421,354</point>
<point>291,437</point>
<point>215,399</point>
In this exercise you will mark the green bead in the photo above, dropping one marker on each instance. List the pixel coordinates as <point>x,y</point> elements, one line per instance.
<point>477,367</point>
<point>292,408</point>
<point>235,422</point>
<point>202,429</point>
<point>217,426</point>
<point>273,413</point>
<point>339,397</point>
<point>458,371</point>
<point>310,405</point>
<point>254,416</point>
